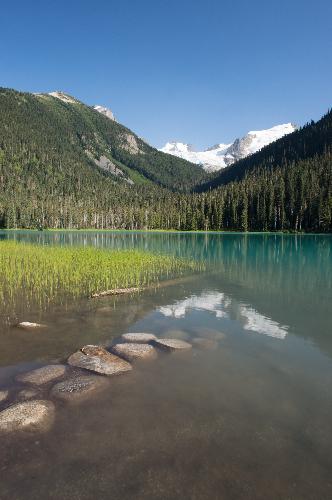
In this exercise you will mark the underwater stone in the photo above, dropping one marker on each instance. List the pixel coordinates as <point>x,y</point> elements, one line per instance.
<point>32,416</point>
<point>177,334</point>
<point>3,395</point>
<point>172,344</point>
<point>132,352</point>
<point>138,338</point>
<point>77,388</point>
<point>25,394</point>
<point>42,375</point>
<point>208,344</point>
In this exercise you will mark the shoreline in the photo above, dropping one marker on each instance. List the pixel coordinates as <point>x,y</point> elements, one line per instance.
<point>170,231</point>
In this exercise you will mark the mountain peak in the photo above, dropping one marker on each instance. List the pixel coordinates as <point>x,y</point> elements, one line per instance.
<point>174,147</point>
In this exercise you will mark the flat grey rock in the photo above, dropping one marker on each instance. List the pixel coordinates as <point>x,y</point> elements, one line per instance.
<point>132,352</point>
<point>138,338</point>
<point>42,375</point>
<point>206,344</point>
<point>3,395</point>
<point>97,359</point>
<point>172,344</point>
<point>32,416</point>
<point>77,388</point>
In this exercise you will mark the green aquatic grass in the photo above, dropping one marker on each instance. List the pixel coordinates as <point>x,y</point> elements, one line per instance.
<point>42,274</point>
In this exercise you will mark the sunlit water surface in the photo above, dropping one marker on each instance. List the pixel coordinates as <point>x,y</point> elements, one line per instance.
<point>250,419</point>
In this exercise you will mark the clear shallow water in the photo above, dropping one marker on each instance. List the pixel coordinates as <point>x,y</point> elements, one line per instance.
<point>250,419</point>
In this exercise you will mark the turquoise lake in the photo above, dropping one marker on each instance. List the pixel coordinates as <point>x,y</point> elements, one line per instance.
<point>249,419</point>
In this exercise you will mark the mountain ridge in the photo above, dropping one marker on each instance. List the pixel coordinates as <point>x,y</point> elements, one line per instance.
<point>72,130</point>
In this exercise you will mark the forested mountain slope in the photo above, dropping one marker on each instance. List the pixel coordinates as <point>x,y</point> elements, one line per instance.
<point>61,140</point>
<point>65,165</point>
<point>313,139</point>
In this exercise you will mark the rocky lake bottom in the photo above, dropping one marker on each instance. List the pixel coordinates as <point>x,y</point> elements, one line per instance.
<point>243,413</point>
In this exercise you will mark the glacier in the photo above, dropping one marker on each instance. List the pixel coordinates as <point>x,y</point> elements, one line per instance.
<point>221,155</point>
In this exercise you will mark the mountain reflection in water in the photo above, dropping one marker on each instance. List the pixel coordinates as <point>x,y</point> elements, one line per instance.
<point>224,307</point>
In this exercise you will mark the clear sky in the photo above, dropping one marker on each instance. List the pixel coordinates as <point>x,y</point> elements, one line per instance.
<point>199,71</point>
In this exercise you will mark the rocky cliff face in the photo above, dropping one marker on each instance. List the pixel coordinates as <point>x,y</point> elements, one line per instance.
<point>105,111</point>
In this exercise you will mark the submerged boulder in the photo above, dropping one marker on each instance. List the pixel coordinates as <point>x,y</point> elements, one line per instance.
<point>132,352</point>
<point>208,344</point>
<point>42,375</point>
<point>177,334</point>
<point>138,338</point>
<point>77,388</point>
<point>25,394</point>
<point>32,416</point>
<point>209,333</point>
<point>3,395</point>
<point>97,359</point>
<point>172,344</point>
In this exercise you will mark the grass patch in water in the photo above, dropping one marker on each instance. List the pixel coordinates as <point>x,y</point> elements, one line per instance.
<point>43,274</point>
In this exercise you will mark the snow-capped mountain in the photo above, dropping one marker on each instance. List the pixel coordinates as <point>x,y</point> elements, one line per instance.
<point>211,159</point>
<point>105,111</point>
<point>222,155</point>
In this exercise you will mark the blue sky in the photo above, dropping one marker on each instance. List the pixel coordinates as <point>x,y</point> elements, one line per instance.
<point>198,71</point>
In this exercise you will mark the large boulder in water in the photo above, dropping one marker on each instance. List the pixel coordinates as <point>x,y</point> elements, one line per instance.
<point>97,359</point>
<point>77,388</point>
<point>138,338</point>
<point>42,375</point>
<point>32,416</point>
<point>132,352</point>
<point>172,344</point>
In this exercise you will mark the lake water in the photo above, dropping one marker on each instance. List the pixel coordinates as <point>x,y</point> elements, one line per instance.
<point>249,419</point>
